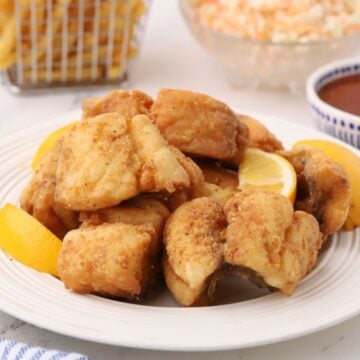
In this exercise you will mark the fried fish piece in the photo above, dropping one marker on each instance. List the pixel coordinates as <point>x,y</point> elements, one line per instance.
<point>164,167</point>
<point>120,268</point>
<point>266,237</point>
<point>193,239</point>
<point>143,210</point>
<point>108,159</point>
<point>205,189</point>
<point>220,183</point>
<point>182,292</point>
<point>259,136</point>
<point>218,175</point>
<point>127,103</point>
<point>109,259</point>
<point>324,188</point>
<point>38,198</point>
<point>199,125</point>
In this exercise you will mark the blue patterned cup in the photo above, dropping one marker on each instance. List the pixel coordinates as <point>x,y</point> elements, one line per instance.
<point>330,119</point>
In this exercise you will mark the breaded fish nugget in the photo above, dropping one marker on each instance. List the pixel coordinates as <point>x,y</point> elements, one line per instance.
<point>259,136</point>
<point>126,103</point>
<point>193,239</point>
<point>141,210</point>
<point>38,197</point>
<point>323,188</point>
<point>267,238</point>
<point>199,125</point>
<point>182,292</point>
<point>108,259</point>
<point>108,159</point>
<point>220,183</point>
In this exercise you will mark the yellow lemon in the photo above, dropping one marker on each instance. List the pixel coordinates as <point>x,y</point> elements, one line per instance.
<point>27,240</point>
<point>351,164</point>
<point>267,171</point>
<point>48,143</point>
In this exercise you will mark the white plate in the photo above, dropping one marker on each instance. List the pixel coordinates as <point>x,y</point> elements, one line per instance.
<point>329,295</point>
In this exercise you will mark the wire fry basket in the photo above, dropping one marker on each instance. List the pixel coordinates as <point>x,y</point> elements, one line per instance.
<point>61,43</point>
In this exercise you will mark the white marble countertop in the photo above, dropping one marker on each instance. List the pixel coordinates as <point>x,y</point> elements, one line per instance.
<point>171,58</point>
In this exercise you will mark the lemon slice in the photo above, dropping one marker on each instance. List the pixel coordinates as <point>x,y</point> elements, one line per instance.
<point>48,143</point>
<point>27,240</point>
<point>267,171</point>
<point>351,164</point>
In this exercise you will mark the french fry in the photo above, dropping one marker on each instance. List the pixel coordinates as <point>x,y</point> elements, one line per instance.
<point>57,15</point>
<point>6,6</point>
<point>7,42</point>
<point>8,61</point>
<point>91,48</point>
<point>57,75</point>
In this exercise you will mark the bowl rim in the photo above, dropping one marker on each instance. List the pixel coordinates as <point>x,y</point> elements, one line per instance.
<point>185,7</point>
<point>312,93</point>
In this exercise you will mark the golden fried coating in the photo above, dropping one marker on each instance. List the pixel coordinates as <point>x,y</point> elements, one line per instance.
<point>220,183</point>
<point>177,198</point>
<point>143,218</point>
<point>193,239</point>
<point>259,136</point>
<point>182,292</point>
<point>199,125</point>
<point>108,259</point>
<point>126,103</point>
<point>323,188</point>
<point>108,159</point>
<point>98,165</point>
<point>164,167</point>
<point>215,174</point>
<point>141,210</point>
<point>206,189</point>
<point>215,192</point>
<point>38,198</point>
<point>267,237</point>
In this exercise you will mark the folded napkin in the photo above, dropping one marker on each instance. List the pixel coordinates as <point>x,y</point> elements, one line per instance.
<point>13,350</point>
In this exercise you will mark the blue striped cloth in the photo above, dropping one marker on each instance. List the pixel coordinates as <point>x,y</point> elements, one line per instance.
<point>13,350</point>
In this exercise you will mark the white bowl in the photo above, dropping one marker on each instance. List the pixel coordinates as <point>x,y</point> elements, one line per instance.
<point>330,119</point>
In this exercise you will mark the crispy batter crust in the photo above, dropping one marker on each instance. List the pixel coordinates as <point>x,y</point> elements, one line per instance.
<point>108,259</point>
<point>193,239</point>
<point>216,174</point>
<point>323,188</point>
<point>182,292</point>
<point>199,125</point>
<point>259,136</point>
<point>268,237</point>
<point>108,159</point>
<point>38,197</point>
<point>127,103</point>
<point>144,213</point>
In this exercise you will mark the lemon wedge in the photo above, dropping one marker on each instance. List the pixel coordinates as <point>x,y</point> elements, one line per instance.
<point>48,143</point>
<point>267,171</point>
<point>27,240</point>
<point>351,164</point>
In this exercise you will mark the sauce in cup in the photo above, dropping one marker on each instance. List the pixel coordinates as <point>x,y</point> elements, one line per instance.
<point>343,94</point>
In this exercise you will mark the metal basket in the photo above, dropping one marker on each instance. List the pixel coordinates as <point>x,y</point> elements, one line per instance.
<point>61,43</point>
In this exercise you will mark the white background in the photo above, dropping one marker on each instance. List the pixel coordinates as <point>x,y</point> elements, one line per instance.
<point>171,58</point>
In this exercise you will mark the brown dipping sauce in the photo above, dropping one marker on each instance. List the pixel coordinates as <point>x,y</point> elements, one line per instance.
<point>343,94</point>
